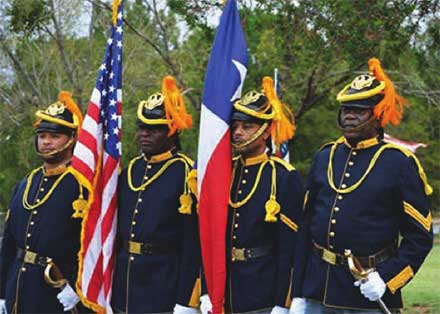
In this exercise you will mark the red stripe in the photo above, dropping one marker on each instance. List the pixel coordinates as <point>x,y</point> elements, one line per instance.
<point>213,207</point>
<point>96,280</point>
<point>93,111</point>
<point>83,168</point>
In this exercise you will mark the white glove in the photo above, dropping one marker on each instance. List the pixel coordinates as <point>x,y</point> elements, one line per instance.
<point>373,287</point>
<point>279,310</point>
<point>205,304</point>
<point>68,297</point>
<point>3,306</point>
<point>180,309</point>
<point>298,306</point>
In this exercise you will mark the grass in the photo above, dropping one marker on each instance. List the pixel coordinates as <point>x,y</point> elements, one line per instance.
<point>422,294</point>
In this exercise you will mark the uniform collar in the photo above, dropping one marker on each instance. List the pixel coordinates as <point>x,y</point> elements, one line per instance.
<point>55,171</point>
<point>363,144</point>
<point>159,157</point>
<point>254,160</point>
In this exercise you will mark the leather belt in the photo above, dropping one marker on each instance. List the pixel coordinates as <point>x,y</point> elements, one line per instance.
<point>366,261</point>
<point>31,257</point>
<point>149,248</point>
<point>243,254</point>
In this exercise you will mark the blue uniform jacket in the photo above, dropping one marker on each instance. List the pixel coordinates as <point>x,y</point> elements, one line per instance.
<point>154,283</point>
<point>262,282</point>
<point>48,230</point>
<point>373,209</point>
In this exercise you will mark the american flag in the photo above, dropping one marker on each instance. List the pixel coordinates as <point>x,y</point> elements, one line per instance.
<point>96,161</point>
<point>223,83</point>
<point>411,146</point>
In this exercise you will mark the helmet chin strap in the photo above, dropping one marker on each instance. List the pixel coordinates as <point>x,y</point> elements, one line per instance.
<point>53,153</point>
<point>356,128</point>
<point>253,138</point>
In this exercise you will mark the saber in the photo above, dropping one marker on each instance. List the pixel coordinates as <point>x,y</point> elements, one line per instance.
<point>359,273</point>
<point>59,281</point>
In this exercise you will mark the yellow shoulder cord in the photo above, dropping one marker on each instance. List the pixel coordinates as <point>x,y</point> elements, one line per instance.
<point>46,197</point>
<point>351,188</point>
<point>272,206</point>
<point>185,199</point>
<point>153,178</point>
<point>254,188</point>
<point>80,204</point>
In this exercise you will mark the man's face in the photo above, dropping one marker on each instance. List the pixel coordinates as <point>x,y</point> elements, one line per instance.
<point>352,117</point>
<point>153,140</point>
<point>48,142</point>
<point>243,131</point>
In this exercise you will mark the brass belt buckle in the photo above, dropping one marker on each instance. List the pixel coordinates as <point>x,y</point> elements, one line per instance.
<point>134,247</point>
<point>30,257</point>
<point>329,256</point>
<point>238,254</point>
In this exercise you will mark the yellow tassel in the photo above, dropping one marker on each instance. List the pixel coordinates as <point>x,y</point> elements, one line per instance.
<point>175,109</point>
<point>390,108</point>
<point>283,126</point>
<point>272,209</point>
<point>67,100</point>
<point>191,180</point>
<point>116,4</point>
<point>185,204</point>
<point>79,206</point>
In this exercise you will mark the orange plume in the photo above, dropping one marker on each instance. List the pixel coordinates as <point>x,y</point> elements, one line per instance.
<point>175,106</point>
<point>66,98</point>
<point>283,126</point>
<point>390,108</point>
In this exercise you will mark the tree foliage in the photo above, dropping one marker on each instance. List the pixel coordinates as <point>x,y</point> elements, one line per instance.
<point>316,45</point>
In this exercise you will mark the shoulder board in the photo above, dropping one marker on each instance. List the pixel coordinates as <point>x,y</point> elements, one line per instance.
<point>326,145</point>
<point>188,160</point>
<point>282,162</point>
<point>409,154</point>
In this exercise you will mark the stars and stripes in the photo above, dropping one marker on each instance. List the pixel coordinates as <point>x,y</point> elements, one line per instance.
<point>223,83</point>
<point>96,162</point>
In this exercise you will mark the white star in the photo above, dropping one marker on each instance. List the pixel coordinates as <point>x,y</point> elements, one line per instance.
<point>104,92</point>
<point>114,116</point>
<point>242,70</point>
<point>119,43</point>
<point>111,89</point>
<point>119,29</point>
<point>106,136</point>
<point>115,131</point>
<point>101,79</point>
<point>109,41</point>
<point>102,67</point>
<point>119,57</point>
<point>102,113</point>
<point>111,74</point>
<point>119,15</point>
<point>112,102</point>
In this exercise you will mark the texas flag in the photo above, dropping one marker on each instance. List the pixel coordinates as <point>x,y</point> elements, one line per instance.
<point>223,83</point>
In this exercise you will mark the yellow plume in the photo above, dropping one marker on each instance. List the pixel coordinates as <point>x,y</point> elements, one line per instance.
<point>175,109</point>
<point>66,98</point>
<point>390,108</point>
<point>283,125</point>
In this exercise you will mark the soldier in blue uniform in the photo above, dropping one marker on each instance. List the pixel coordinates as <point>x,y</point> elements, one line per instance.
<point>362,194</point>
<point>265,203</point>
<point>158,257</point>
<point>44,220</point>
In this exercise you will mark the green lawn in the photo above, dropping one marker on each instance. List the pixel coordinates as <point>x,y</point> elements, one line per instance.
<point>422,294</point>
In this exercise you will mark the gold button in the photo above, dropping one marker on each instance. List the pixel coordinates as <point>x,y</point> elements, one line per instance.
<point>344,186</point>
<point>133,222</point>
<point>236,226</point>
<point>23,269</point>
<point>246,171</point>
<point>340,197</point>
<point>333,221</point>
<point>233,259</point>
<point>136,211</point>
<point>45,179</point>
<point>32,223</point>
<point>234,237</point>
<point>42,189</point>
<point>27,247</point>
<point>336,209</point>
<point>243,181</point>
<point>331,246</point>
<point>28,235</point>
<point>347,175</point>
<point>34,212</point>
<point>350,163</point>
<point>354,153</point>
<point>332,234</point>
<point>38,200</point>
<point>148,166</point>
<point>132,235</point>
<point>139,200</point>
<point>146,178</point>
<point>237,214</point>
<point>240,191</point>
<point>131,258</point>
